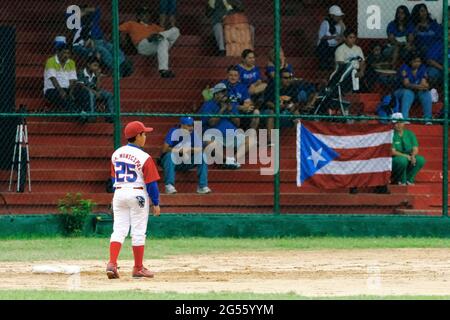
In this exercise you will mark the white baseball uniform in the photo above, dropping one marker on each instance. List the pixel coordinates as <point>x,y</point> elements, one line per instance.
<point>132,170</point>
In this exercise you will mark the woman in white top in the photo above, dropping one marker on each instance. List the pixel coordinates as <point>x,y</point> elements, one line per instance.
<point>330,37</point>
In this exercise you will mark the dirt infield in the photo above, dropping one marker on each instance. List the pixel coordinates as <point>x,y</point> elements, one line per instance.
<point>308,273</point>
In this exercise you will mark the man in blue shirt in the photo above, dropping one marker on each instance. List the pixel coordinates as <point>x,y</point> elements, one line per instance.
<point>177,144</point>
<point>220,105</point>
<point>239,96</point>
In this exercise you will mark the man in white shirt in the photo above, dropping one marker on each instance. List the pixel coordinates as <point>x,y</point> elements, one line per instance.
<point>60,82</point>
<point>349,52</point>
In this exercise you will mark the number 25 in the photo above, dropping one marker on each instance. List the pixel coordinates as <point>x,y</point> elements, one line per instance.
<point>125,171</point>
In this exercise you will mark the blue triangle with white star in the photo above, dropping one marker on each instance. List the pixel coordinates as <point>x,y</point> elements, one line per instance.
<point>314,154</point>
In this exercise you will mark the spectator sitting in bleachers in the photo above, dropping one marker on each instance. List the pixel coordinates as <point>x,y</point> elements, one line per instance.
<point>89,41</point>
<point>349,53</point>
<point>379,69</point>
<point>414,83</point>
<point>89,77</point>
<point>150,39</point>
<point>173,144</point>
<point>400,36</point>
<point>289,101</point>
<point>60,82</point>
<point>435,61</point>
<point>250,74</point>
<point>406,161</point>
<point>426,30</point>
<point>167,9</point>
<point>330,37</point>
<point>217,10</point>
<point>284,65</point>
<point>226,126</point>
<point>387,107</point>
<point>239,96</point>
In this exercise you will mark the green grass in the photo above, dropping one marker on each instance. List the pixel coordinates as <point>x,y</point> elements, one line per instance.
<point>141,295</point>
<point>97,248</point>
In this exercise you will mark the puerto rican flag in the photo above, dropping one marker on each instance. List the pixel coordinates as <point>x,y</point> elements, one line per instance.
<point>331,155</point>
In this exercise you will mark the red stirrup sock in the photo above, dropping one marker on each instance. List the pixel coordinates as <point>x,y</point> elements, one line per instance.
<point>114,250</point>
<point>138,252</point>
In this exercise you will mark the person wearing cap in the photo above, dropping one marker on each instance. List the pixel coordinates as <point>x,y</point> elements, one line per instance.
<point>406,161</point>
<point>220,105</point>
<point>134,177</point>
<point>151,39</point>
<point>330,37</point>
<point>60,82</point>
<point>181,141</point>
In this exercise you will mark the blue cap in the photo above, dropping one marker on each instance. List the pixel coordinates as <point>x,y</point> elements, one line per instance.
<point>188,121</point>
<point>60,41</point>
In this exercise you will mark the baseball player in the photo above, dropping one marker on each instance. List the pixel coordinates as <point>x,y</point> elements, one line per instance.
<point>135,182</point>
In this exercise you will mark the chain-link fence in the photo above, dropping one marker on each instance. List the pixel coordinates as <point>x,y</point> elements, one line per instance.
<point>345,67</point>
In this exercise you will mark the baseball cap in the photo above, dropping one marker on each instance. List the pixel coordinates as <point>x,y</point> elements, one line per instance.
<point>134,128</point>
<point>189,121</point>
<point>219,88</point>
<point>396,116</point>
<point>60,41</point>
<point>335,11</point>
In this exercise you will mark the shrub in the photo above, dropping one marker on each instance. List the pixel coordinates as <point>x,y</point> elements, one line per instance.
<point>74,211</point>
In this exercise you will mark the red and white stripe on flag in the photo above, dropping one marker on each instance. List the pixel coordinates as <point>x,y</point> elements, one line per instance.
<point>365,155</point>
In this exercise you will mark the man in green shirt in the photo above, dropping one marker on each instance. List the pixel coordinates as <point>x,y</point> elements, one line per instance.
<point>406,161</point>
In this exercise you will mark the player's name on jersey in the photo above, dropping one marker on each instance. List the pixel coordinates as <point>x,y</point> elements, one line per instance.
<point>130,157</point>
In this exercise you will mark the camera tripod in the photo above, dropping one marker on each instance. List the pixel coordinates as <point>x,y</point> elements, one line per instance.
<point>21,148</point>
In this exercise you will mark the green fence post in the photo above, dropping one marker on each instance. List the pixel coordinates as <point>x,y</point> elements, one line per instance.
<point>277,45</point>
<point>445,151</point>
<point>116,73</point>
